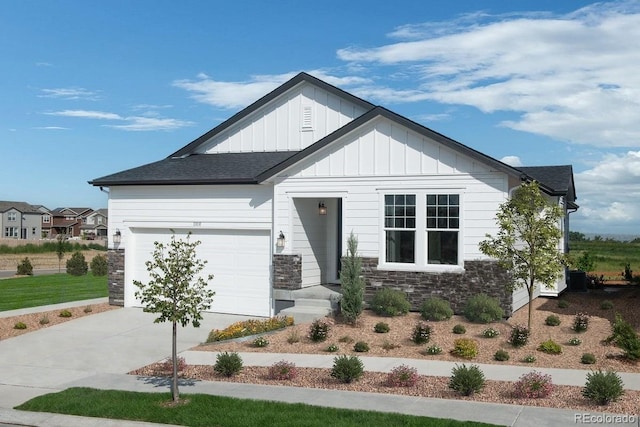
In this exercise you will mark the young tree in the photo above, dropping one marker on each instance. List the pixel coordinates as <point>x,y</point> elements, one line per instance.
<point>174,292</point>
<point>527,242</point>
<point>60,249</point>
<point>351,282</point>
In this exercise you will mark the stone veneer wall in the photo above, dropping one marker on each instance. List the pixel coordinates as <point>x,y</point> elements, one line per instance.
<point>287,271</point>
<point>115,276</point>
<point>479,277</point>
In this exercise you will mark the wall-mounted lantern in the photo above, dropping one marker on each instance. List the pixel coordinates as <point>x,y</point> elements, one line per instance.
<point>117,237</point>
<point>280,240</point>
<point>322,209</point>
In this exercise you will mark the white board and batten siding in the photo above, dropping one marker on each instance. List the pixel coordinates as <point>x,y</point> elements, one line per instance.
<point>292,122</point>
<point>385,157</point>
<point>232,222</point>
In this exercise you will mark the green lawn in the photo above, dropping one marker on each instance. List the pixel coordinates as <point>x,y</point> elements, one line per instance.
<point>35,291</point>
<point>609,255</point>
<point>206,410</point>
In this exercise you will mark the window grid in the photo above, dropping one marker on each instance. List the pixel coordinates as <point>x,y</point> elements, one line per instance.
<point>443,211</point>
<point>400,211</point>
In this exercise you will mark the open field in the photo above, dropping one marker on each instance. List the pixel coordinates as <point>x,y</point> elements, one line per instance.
<point>47,261</point>
<point>609,255</point>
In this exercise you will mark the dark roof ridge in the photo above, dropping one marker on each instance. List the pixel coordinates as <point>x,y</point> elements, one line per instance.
<point>299,78</point>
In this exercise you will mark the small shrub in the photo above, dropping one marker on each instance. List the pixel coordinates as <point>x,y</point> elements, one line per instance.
<point>388,345</point>
<point>581,322</point>
<point>533,385</point>
<point>603,387</point>
<point>20,325</point>
<point>44,320</point>
<point>76,265</point>
<point>563,303</point>
<point>402,376</point>
<point>88,309</point>
<point>624,336</point>
<point>436,309</point>
<point>293,337</point>
<point>433,349</point>
<point>465,348</point>
<point>347,369</point>
<point>332,348</point>
<point>459,329</point>
<point>588,359</point>
<point>282,370</point>
<point>65,313</point>
<point>466,380</point>
<point>361,347</point>
<point>421,333</point>
<point>490,333</point>
<point>482,308</point>
<point>574,341</point>
<point>552,320</point>
<point>381,328</point>
<point>390,302</point>
<point>501,356</point>
<point>346,339</point>
<point>25,268</point>
<point>167,364</point>
<point>319,330</point>
<point>99,265</point>
<point>260,342</point>
<point>228,364</point>
<point>530,358</point>
<point>519,335</point>
<point>550,347</point>
<point>606,305</point>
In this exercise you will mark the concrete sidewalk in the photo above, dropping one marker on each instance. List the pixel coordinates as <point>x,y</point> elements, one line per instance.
<point>107,345</point>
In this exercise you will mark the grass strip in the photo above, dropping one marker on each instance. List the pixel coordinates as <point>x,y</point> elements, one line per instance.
<point>34,291</point>
<point>207,410</point>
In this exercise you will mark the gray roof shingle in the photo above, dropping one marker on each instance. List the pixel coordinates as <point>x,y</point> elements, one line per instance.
<point>20,206</point>
<point>557,179</point>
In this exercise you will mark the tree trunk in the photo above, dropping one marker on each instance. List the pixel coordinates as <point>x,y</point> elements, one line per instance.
<point>175,394</point>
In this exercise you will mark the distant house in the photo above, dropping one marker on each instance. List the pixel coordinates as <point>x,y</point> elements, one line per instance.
<point>20,220</point>
<point>95,224</point>
<point>274,192</point>
<point>68,221</point>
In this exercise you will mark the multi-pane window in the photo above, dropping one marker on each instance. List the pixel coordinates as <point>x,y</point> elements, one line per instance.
<point>46,218</point>
<point>443,222</point>
<point>400,227</point>
<point>12,216</point>
<point>11,232</point>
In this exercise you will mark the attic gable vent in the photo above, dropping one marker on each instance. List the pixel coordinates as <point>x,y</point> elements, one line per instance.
<point>307,117</point>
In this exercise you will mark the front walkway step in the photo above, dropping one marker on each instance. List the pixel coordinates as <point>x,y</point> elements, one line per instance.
<point>306,313</point>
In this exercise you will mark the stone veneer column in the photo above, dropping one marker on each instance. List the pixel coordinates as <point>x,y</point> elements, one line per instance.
<point>115,276</point>
<point>479,277</point>
<point>287,271</point>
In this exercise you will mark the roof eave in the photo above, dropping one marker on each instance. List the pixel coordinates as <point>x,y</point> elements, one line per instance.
<point>172,182</point>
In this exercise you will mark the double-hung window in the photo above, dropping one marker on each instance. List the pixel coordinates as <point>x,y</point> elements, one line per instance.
<point>11,232</point>
<point>12,216</point>
<point>422,230</point>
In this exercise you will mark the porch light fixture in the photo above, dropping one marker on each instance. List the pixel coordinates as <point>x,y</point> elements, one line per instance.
<point>280,240</point>
<point>322,209</point>
<point>117,237</point>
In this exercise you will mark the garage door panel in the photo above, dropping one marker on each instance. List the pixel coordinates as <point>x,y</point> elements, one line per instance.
<point>238,259</point>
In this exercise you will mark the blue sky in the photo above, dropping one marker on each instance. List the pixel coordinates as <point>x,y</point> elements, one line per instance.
<point>92,88</point>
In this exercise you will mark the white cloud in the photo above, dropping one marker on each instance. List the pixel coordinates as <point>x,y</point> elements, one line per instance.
<point>70,93</point>
<point>512,161</point>
<point>572,77</point>
<point>609,194</point>
<point>233,95</point>
<point>86,114</point>
<point>131,123</point>
<point>51,128</point>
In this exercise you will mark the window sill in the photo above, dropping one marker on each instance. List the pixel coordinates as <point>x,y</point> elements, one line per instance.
<point>426,268</point>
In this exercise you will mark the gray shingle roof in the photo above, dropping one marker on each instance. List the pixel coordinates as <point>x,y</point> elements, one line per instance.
<point>20,206</point>
<point>225,168</point>
<point>557,179</point>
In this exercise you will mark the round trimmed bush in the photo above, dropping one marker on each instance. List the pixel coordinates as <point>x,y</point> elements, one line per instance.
<point>465,348</point>
<point>459,329</point>
<point>603,387</point>
<point>588,359</point>
<point>347,369</point>
<point>228,364</point>
<point>552,320</point>
<point>482,308</point>
<point>436,309</point>
<point>501,356</point>
<point>390,302</point>
<point>381,328</point>
<point>361,347</point>
<point>563,303</point>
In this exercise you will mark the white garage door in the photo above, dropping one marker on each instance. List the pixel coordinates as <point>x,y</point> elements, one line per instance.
<point>238,259</point>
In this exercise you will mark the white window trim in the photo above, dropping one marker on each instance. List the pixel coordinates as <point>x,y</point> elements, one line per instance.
<point>420,263</point>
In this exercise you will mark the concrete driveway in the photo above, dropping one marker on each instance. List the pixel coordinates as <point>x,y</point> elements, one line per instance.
<point>113,342</point>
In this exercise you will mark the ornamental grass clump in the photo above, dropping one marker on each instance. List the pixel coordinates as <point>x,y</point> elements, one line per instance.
<point>550,347</point>
<point>282,370</point>
<point>421,333</point>
<point>467,380</point>
<point>20,325</point>
<point>603,388</point>
<point>436,309</point>
<point>533,385</point>
<point>402,376</point>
